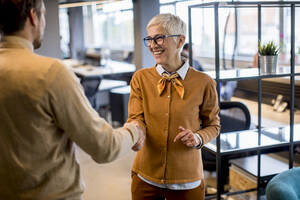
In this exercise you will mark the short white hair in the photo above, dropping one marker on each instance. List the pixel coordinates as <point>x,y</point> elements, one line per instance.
<point>171,23</point>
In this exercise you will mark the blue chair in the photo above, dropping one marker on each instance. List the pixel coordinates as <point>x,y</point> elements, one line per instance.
<point>285,186</point>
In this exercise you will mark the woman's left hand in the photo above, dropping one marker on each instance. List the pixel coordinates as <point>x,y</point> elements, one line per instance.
<point>187,137</point>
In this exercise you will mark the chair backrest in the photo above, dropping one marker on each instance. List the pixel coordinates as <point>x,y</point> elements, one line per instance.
<point>234,116</point>
<point>90,86</point>
<point>285,185</point>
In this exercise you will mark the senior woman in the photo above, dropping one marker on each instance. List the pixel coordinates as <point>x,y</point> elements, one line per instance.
<point>178,109</point>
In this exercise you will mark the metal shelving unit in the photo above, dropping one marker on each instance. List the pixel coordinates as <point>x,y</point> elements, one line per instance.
<point>257,76</point>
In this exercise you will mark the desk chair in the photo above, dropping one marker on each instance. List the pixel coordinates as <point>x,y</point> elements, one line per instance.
<point>90,86</point>
<point>285,186</point>
<point>234,116</point>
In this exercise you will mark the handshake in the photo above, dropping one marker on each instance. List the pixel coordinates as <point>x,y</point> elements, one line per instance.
<point>139,144</point>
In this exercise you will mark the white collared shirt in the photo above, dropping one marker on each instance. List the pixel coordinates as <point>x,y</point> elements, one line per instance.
<point>182,71</point>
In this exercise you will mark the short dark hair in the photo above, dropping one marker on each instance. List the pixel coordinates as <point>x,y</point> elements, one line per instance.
<point>13,14</point>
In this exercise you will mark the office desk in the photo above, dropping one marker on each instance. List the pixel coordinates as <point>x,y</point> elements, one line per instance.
<point>106,85</point>
<point>111,68</point>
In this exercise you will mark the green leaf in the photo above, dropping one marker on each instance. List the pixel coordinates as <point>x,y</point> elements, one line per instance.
<point>268,49</point>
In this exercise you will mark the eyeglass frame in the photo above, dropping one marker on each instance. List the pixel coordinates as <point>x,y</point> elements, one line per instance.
<point>148,38</point>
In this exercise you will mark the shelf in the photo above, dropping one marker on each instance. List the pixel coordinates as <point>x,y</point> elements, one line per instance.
<point>262,140</point>
<point>251,73</point>
<point>249,165</point>
<point>241,141</point>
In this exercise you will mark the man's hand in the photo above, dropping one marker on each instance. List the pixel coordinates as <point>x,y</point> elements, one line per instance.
<point>187,137</point>
<point>139,144</point>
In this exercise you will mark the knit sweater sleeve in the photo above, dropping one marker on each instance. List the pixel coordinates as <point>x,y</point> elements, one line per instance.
<point>135,105</point>
<point>209,114</point>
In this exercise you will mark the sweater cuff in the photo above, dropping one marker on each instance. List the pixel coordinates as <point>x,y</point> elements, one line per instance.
<point>200,142</point>
<point>133,131</point>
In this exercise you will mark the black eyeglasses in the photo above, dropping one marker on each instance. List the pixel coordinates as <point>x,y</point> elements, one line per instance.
<point>158,39</point>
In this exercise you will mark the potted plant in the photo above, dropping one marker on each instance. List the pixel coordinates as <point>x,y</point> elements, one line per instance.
<point>268,54</point>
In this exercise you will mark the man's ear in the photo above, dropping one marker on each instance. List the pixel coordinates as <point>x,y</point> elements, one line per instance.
<point>33,18</point>
<point>181,41</point>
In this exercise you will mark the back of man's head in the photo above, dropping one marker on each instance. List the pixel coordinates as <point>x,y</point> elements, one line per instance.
<point>13,14</point>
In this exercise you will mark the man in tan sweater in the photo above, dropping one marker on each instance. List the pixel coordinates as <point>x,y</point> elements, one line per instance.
<point>177,106</point>
<point>43,110</point>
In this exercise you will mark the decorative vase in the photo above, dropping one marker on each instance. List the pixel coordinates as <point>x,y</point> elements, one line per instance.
<point>268,64</point>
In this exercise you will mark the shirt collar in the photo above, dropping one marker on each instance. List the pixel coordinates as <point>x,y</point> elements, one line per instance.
<point>15,42</point>
<point>182,71</point>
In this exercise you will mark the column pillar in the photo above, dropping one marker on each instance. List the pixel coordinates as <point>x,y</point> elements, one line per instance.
<point>76,32</point>
<point>143,11</point>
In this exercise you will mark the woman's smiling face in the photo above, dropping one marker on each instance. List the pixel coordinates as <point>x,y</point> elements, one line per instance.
<point>167,51</point>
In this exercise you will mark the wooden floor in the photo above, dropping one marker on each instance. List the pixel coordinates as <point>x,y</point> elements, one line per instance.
<point>106,181</point>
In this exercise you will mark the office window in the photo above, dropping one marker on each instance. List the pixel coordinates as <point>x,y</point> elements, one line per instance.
<point>64,32</point>
<point>109,26</point>
<point>167,9</point>
<point>89,25</point>
<point>286,37</point>
<point>181,9</point>
<point>119,30</point>
<point>101,29</point>
<point>248,29</point>
<point>166,1</point>
<point>275,26</point>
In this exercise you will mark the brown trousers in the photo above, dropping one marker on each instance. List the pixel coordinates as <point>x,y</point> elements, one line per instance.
<point>140,190</point>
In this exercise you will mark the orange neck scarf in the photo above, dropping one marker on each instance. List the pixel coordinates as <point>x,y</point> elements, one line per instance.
<point>173,78</point>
